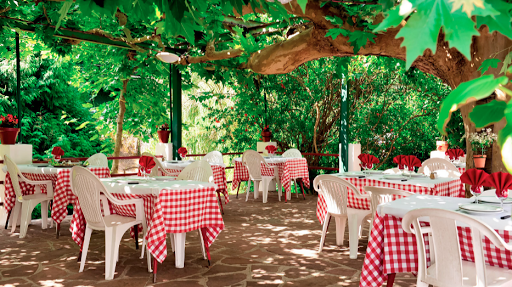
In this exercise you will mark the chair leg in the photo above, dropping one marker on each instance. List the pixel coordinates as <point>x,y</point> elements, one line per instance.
<point>171,238</point>
<point>248,189</point>
<point>109,254</point>
<point>26,212</point>
<point>16,214</point>
<point>256,188</point>
<point>202,244</point>
<point>302,188</point>
<point>265,191</point>
<point>220,202</point>
<point>324,232</point>
<point>136,235</point>
<point>85,248</point>
<point>180,249</point>
<point>295,185</point>
<point>341,223</point>
<point>354,226</point>
<point>44,213</point>
<point>7,220</point>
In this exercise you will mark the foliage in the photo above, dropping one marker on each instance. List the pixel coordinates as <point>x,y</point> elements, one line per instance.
<point>483,140</point>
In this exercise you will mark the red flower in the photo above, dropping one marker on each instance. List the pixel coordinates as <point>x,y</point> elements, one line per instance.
<point>246,130</point>
<point>255,123</point>
<point>222,140</point>
<point>391,129</point>
<point>294,92</point>
<point>231,107</point>
<point>377,114</point>
<point>217,121</point>
<point>215,118</point>
<point>245,115</point>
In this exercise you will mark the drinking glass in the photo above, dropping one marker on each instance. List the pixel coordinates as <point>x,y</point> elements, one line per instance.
<point>476,193</point>
<point>502,196</point>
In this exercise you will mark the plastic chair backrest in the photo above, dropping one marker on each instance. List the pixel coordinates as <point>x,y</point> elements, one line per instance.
<point>433,164</point>
<point>98,159</point>
<point>394,170</point>
<point>197,171</point>
<point>88,188</point>
<point>334,191</point>
<point>14,172</point>
<point>252,160</point>
<point>380,195</point>
<point>293,152</point>
<point>443,173</point>
<point>445,247</point>
<point>214,157</point>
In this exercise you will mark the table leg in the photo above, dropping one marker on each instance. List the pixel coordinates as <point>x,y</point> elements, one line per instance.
<point>302,188</point>
<point>240,183</point>
<point>155,263</point>
<point>7,220</point>
<point>220,202</point>
<point>179,247</point>
<point>58,230</point>
<point>136,233</point>
<point>391,279</point>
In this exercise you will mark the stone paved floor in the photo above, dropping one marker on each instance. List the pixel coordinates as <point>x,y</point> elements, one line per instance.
<point>273,244</point>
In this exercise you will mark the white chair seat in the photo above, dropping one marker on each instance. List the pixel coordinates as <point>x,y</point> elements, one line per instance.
<point>115,220</point>
<point>496,276</point>
<point>253,161</point>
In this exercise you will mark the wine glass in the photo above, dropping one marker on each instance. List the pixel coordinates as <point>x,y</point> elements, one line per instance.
<point>476,192</point>
<point>502,196</point>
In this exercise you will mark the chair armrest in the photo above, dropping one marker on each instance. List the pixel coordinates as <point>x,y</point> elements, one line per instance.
<point>139,206</point>
<point>48,183</point>
<point>104,202</point>
<point>165,172</point>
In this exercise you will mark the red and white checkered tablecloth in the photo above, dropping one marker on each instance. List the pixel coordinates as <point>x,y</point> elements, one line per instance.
<point>392,250</point>
<point>172,211</point>
<point>62,194</point>
<point>288,170</point>
<point>219,178</point>
<point>452,188</point>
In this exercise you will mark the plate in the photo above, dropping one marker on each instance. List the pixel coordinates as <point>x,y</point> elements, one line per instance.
<point>480,208</point>
<point>371,171</point>
<point>63,166</point>
<point>416,175</point>
<point>128,181</point>
<point>164,178</point>
<point>173,161</point>
<point>352,174</point>
<point>394,177</point>
<point>494,199</point>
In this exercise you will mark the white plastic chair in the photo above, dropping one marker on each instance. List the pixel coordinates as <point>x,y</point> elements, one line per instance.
<point>214,157</point>
<point>98,159</point>
<point>293,152</point>
<point>447,267</point>
<point>254,161</point>
<point>334,191</point>
<point>433,164</point>
<point>26,203</point>
<point>91,193</point>
<point>380,195</point>
<point>394,170</point>
<point>197,171</point>
<point>443,173</point>
<point>158,166</point>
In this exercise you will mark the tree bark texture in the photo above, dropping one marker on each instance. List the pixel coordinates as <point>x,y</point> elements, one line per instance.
<point>119,132</point>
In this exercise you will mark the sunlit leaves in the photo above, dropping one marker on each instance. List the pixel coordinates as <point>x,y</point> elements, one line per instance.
<point>393,19</point>
<point>465,93</point>
<point>505,139</point>
<point>484,115</point>
<point>334,20</point>
<point>303,4</point>
<point>506,62</point>
<point>63,11</point>
<point>335,32</point>
<point>467,5</point>
<point>499,21</point>
<point>488,63</point>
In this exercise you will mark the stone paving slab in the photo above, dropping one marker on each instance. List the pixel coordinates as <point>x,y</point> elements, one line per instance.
<point>272,244</point>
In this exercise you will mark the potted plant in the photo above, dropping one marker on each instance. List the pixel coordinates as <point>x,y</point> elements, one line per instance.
<point>163,133</point>
<point>266,134</point>
<point>8,130</point>
<point>480,142</point>
<point>442,145</point>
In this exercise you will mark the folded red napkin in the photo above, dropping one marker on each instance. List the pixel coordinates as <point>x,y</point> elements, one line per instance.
<point>367,160</point>
<point>398,160</point>
<point>271,149</point>
<point>474,177</point>
<point>502,181</point>
<point>147,163</point>
<point>57,152</point>
<point>411,162</point>
<point>182,151</point>
<point>454,153</point>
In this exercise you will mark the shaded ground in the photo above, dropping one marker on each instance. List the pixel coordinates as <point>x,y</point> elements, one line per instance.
<point>272,244</point>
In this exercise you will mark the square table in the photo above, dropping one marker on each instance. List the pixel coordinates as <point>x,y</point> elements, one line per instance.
<point>170,206</point>
<point>391,250</point>
<point>62,194</point>
<point>441,186</point>
<point>288,169</point>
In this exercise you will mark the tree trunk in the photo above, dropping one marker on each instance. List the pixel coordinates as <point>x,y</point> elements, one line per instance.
<point>120,120</point>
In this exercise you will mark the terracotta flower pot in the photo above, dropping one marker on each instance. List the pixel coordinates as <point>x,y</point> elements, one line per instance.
<point>9,135</point>
<point>442,146</point>
<point>266,136</point>
<point>479,160</point>
<point>163,136</point>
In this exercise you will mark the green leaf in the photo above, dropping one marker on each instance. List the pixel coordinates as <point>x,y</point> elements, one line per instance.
<point>63,12</point>
<point>358,39</point>
<point>334,20</point>
<point>303,4</point>
<point>466,93</point>
<point>335,32</point>
<point>93,137</point>
<point>488,63</point>
<point>484,115</point>
<point>430,17</point>
<point>505,139</point>
<point>392,19</point>
<point>506,63</point>
<point>82,125</point>
<point>500,21</point>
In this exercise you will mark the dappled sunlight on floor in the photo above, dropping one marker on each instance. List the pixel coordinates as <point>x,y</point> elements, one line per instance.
<point>272,244</point>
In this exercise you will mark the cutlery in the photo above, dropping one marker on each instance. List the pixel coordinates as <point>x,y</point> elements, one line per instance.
<point>505,217</point>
